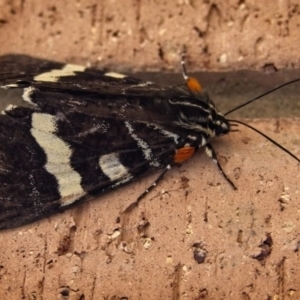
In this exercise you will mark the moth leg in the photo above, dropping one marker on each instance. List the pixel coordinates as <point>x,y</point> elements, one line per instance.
<point>150,188</point>
<point>212,154</point>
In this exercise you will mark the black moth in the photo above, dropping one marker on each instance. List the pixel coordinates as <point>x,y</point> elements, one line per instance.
<point>81,132</point>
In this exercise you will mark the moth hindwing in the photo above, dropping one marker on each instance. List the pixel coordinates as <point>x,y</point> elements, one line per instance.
<point>79,132</point>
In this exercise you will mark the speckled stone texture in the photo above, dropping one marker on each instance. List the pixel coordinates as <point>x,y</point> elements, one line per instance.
<point>193,237</point>
<point>219,35</point>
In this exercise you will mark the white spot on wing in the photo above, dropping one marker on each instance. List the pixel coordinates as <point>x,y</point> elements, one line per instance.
<point>10,107</point>
<point>114,75</point>
<point>27,94</point>
<point>143,84</point>
<point>54,75</point>
<point>10,86</point>
<point>113,168</point>
<point>143,146</point>
<point>58,155</point>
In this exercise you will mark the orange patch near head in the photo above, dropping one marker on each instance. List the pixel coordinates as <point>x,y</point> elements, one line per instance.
<point>193,85</point>
<point>183,154</point>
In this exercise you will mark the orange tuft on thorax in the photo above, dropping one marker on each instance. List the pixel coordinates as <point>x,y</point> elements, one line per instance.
<point>193,85</point>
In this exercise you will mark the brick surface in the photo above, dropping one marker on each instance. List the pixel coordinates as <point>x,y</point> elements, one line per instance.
<point>193,237</point>
<point>149,35</point>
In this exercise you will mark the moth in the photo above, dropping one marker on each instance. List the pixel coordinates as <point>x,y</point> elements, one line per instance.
<point>81,132</point>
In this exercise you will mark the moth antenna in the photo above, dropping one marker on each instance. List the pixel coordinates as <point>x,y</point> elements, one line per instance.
<point>183,67</point>
<point>256,130</point>
<point>267,137</point>
<point>262,95</point>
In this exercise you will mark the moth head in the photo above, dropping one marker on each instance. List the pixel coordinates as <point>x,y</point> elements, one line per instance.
<point>222,125</point>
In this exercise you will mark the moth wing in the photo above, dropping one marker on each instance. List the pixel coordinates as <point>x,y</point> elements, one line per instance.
<point>24,71</point>
<point>80,134</point>
<point>48,164</point>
